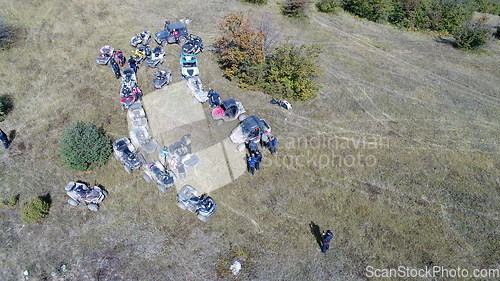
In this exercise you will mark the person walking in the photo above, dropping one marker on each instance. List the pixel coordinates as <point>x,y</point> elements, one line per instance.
<point>251,163</point>
<point>258,159</point>
<point>325,240</point>
<point>252,147</point>
<point>4,139</point>
<point>273,143</point>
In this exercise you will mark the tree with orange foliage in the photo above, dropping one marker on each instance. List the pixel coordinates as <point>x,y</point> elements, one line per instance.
<point>240,46</point>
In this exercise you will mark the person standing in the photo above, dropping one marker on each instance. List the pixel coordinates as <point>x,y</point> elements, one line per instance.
<point>273,143</point>
<point>325,240</point>
<point>133,64</point>
<point>4,139</point>
<point>252,147</point>
<point>213,97</point>
<point>258,159</point>
<point>251,163</point>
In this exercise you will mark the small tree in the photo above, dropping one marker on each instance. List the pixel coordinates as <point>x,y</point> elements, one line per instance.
<point>34,210</point>
<point>239,46</point>
<point>6,106</point>
<point>471,36</point>
<point>328,6</point>
<point>295,8</point>
<point>83,147</point>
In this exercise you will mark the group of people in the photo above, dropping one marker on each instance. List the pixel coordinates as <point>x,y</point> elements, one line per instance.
<point>254,156</point>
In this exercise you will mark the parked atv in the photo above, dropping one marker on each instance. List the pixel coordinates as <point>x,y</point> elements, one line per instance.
<point>143,38</point>
<point>157,57</point>
<point>189,65</point>
<point>203,206</point>
<point>129,96</point>
<point>125,153</point>
<point>229,110</point>
<point>80,192</point>
<point>141,53</point>
<point>180,158</point>
<point>155,172</point>
<point>162,78</point>
<point>171,34</point>
<point>193,45</point>
<point>105,54</point>
<point>249,129</point>
<point>129,79</point>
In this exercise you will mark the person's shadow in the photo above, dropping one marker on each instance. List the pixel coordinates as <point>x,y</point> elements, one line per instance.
<point>12,135</point>
<point>316,232</point>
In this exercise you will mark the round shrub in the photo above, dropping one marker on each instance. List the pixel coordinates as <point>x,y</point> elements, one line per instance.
<point>471,36</point>
<point>328,6</point>
<point>34,210</point>
<point>84,146</point>
<point>10,201</point>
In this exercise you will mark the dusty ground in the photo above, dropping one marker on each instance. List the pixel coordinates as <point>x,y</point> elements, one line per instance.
<point>398,155</point>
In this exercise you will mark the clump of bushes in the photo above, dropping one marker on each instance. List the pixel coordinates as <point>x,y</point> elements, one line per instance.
<point>295,8</point>
<point>5,107</point>
<point>10,201</point>
<point>258,2</point>
<point>8,35</point>
<point>329,6</point>
<point>34,210</point>
<point>288,72</point>
<point>240,46</point>
<point>471,36</point>
<point>84,146</point>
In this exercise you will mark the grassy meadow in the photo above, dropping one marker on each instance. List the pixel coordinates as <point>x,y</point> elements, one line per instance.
<point>397,156</point>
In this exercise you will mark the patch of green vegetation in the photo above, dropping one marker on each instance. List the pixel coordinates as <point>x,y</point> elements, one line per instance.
<point>10,201</point>
<point>295,8</point>
<point>6,106</point>
<point>34,210</point>
<point>84,146</point>
<point>258,2</point>
<point>329,6</point>
<point>471,36</point>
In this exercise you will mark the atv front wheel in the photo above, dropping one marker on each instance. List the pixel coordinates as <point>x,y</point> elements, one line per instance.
<point>93,207</point>
<point>147,178</point>
<point>162,188</point>
<point>128,169</point>
<point>202,218</point>
<point>73,202</point>
<point>182,40</point>
<point>181,205</point>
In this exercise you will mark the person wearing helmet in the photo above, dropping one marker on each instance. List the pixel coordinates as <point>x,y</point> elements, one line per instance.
<point>325,240</point>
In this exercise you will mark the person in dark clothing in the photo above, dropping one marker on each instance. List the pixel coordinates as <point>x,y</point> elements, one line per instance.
<point>251,163</point>
<point>273,143</point>
<point>116,68</point>
<point>4,139</point>
<point>325,240</point>
<point>252,147</point>
<point>133,64</point>
<point>258,159</point>
<point>213,98</point>
<point>120,58</point>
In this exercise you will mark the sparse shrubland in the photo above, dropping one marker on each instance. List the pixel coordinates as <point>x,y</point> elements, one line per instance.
<point>8,34</point>
<point>83,146</point>
<point>34,210</point>
<point>258,2</point>
<point>329,6</point>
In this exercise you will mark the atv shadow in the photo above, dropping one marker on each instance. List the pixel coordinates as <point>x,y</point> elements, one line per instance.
<point>316,232</point>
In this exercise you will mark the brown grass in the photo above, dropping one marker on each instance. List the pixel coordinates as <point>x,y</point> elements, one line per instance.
<point>431,198</point>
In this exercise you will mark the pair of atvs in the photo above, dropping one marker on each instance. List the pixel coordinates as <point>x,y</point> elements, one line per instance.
<point>177,33</point>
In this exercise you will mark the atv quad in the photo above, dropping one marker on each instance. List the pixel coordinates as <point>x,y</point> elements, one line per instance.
<point>249,129</point>
<point>203,206</point>
<point>125,153</point>
<point>80,192</point>
<point>156,172</point>
<point>143,38</point>
<point>193,45</point>
<point>171,34</point>
<point>162,77</point>
<point>129,79</point>
<point>229,110</point>
<point>189,65</point>
<point>105,54</point>
<point>157,57</point>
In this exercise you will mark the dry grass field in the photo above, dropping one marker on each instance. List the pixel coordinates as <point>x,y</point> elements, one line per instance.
<point>398,155</point>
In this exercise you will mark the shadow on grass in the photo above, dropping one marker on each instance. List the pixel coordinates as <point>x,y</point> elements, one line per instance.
<point>12,135</point>
<point>47,198</point>
<point>316,232</point>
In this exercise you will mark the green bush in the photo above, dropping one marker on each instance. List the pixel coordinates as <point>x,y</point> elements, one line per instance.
<point>328,6</point>
<point>6,106</point>
<point>83,147</point>
<point>485,6</point>
<point>374,10</point>
<point>10,201</point>
<point>295,8</point>
<point>34,210</point>
<point>471,36</point>
<point>288,72</point>
<point>258,2</point>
